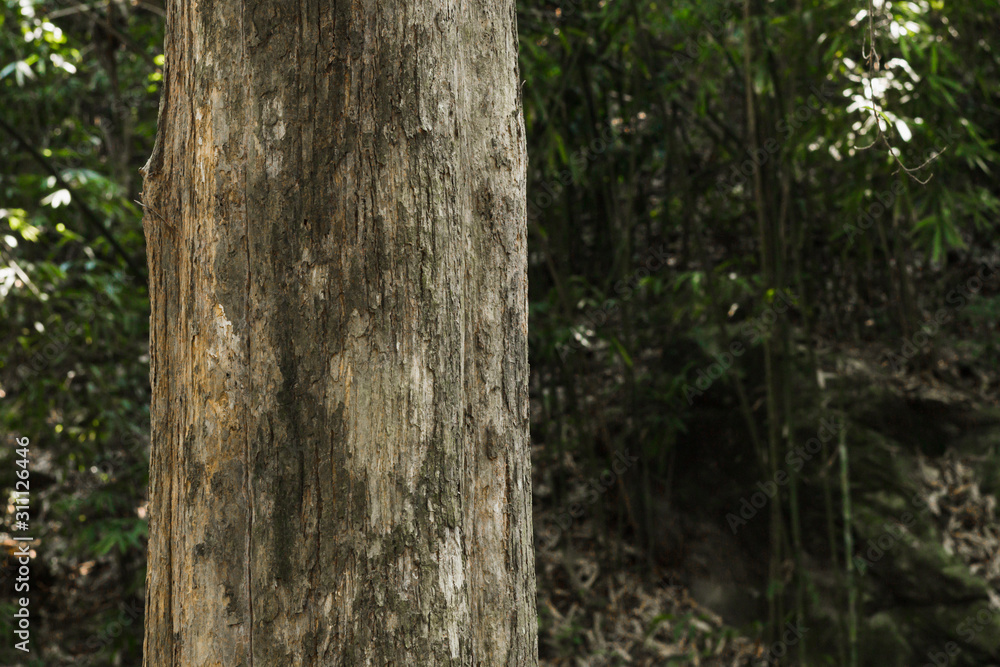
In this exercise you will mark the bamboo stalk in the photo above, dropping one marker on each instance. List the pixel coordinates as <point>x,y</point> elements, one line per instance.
<point>852,594</point>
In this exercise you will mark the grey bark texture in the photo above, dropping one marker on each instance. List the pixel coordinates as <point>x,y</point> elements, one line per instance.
<point>336,235</point>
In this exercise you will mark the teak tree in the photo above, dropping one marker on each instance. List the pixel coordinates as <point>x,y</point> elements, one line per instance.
<point>335,219</point>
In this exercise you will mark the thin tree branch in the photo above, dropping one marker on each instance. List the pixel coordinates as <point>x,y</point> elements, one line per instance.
<point>92,219</point>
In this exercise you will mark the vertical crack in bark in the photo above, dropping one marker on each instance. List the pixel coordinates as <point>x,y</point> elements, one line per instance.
<point>171,477</point>
<point>246,438</point>
<point>248,394</point>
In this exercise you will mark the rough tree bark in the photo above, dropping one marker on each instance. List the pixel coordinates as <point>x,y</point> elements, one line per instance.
<point>337,249</point>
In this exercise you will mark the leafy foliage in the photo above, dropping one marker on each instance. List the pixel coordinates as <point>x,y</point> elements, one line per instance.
<point>80,90</point>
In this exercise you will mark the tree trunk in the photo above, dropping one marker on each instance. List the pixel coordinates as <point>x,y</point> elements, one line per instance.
<point>335,222</point>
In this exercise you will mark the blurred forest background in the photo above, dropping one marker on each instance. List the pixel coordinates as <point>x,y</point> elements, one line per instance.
<point>763,273</point>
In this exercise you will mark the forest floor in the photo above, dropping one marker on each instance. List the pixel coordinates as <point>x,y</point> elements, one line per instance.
<point>597,606</point>
<point>593,616</point>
